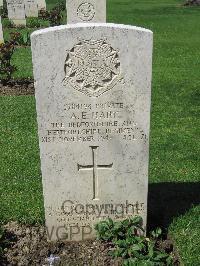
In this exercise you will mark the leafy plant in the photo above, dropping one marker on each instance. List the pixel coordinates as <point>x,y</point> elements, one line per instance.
<point>113,231</point>
<point>21,38</point>
<point>26,38</point>
<point>6,23</point>
<point>6,241</point>
<point>6,67</point>
<point>1,238</point>
<point>192,3</point>
<point>55,15</point>
<point>131,245</point>
<point>4,10</point>
<point>33,23</point>
<point>43,14</point>
<point>62,6</point>
<point>3,242</point>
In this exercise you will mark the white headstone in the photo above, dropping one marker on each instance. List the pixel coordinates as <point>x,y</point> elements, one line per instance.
<point>1,32</point>
<point>41,5</point>
<point>31,8</point>
<point>93,95</point>
<point>16,11</point>
<point>80,11</point>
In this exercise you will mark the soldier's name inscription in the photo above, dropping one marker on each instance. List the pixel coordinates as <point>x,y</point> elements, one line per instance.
<point>94,122</point>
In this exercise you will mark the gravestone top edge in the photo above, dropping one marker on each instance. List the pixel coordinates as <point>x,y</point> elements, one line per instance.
<point>89,25</point>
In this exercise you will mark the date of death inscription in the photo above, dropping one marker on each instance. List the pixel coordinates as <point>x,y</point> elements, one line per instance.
<point>94,122</point>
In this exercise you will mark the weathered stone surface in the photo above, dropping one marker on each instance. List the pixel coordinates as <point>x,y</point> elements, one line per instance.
<point>93,95</point>
<point>41,5</point>
<point>31,8</point>
<point>80,11</point>
<point>16,11</point>
<point>1,32</point>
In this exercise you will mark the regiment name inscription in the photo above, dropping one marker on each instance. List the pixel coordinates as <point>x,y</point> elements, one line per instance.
<point>91,122</point>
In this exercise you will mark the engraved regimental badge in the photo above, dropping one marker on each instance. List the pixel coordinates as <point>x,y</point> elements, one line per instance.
<point>86,11</point>
<point>92,67</point>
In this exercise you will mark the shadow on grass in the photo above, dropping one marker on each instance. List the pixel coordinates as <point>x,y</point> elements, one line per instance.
<point>169,200</point>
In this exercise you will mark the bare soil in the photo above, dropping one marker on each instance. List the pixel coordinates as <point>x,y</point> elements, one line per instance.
<point>28,246</point>
<point>15,88</point>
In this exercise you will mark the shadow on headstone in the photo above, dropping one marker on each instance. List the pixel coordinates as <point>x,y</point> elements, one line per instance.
<point>170,200</point>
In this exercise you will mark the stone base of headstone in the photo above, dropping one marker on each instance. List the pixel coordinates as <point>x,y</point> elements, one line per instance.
<point>19,22</point>
<point>31,14</point>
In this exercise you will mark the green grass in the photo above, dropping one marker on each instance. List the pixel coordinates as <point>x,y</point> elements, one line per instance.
<point>20,178</point>
<point>175,146</point>
<point>22,58</point>
<point>185,231</point>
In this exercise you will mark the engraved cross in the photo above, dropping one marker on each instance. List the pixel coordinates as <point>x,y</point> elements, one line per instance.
<point>94,167</point>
